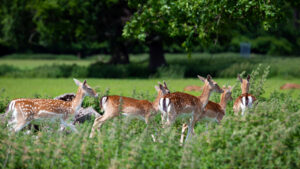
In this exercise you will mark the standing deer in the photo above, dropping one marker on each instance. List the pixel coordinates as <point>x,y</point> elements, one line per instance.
<point>26,110</point>
<point>245,100</point>
<point>213,111</point>
<point>180,104</point>
<point>114,106</point>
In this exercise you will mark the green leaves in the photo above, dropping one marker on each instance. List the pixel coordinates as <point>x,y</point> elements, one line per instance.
<point>204,19</point>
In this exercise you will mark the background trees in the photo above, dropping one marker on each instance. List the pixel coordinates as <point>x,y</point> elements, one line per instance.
<point>114,26</point>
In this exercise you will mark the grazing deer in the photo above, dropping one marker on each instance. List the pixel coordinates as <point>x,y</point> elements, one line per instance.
<point>26,110</point>
<point>245,100</point>
<point>290,86</point>
<point>114,106</point>
<point>213,111</point>
<point>193,88</point>
<point>181,104</point>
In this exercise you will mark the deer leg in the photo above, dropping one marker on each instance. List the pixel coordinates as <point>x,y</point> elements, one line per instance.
<point>20,125</point>
<point>190,127</point>
<point>99,122</point>
<point>65,124</point>
<point>184,127</point>
<point>194,119</point>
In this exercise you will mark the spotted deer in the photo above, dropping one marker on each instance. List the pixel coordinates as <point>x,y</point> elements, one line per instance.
<point>180,104</point>
<point>26,110</point>
<point>244,101</point>
<point>213,111</point>
<point>114,106</point>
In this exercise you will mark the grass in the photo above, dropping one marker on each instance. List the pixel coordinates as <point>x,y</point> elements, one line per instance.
<point>24,87</point>
<point>268,138</point>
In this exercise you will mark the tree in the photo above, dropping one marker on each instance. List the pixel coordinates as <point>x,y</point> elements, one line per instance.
<point>197,20</point>
<point>80,24</point>
<point>17,26</point>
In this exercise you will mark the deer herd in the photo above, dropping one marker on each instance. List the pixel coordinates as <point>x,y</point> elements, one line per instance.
<point>171,106</point>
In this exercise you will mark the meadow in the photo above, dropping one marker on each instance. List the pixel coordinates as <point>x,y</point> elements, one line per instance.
<point>267,138</point>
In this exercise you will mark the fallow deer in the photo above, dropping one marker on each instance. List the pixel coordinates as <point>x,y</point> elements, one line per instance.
<point>290,86</point>
<point>26,110</point>
<point>114,106</point>
<point>213,111</point>
<point>180,104</point>
<point>244,101</point>
<point>193,88</point>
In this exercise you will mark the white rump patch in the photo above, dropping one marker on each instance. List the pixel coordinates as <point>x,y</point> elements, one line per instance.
<point>167,101</point>
<point>104,100</point>
<point>244,101</point>
<point>161,102</point>
<point>250,101</point>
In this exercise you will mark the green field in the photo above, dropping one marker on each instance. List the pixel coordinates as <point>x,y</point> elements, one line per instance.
<point>24,88</point>
<point>267,138</point>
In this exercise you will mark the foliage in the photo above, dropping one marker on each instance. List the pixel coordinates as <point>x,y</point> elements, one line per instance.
<point>197,20</point>
<point>267,138</point>
<point>218,65</point>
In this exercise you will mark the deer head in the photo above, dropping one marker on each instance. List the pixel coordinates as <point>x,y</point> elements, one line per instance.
<point>85,88</point>
<point>227,93</point>
<point>212,85</point>
<point>162,89</point>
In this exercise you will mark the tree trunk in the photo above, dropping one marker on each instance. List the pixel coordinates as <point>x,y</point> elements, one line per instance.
<point>119,54</point>
<point>156,53</point>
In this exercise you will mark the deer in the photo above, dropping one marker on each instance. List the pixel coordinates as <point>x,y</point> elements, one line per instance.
<point>193,88</point>
<point>25,111</point>
<point>114,106</point>
<point>180,104</point>
<point>290,86</point>
<point>245,100</point>
<point>213,111</point>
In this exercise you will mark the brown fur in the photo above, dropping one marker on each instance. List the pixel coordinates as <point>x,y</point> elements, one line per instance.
<point>245,85</point>
<point>117,105</point>
<point>181,103</point>
<point>26,110</point>
<point>213,110</point>
<point>238,101</point>
<point>193,88</point>
<point>290,86</point>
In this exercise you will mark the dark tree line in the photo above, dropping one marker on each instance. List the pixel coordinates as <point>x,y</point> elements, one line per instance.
<point>120,27</point>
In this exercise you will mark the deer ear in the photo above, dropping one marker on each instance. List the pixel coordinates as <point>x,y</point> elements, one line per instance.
<point>201,78</point>
<point>248,78</point>
<point>165,84</point>
<point>209,78</point>
<point>157,88</point>
<point>84,82</point>
<point>239,78</point>
<point>77,82</point>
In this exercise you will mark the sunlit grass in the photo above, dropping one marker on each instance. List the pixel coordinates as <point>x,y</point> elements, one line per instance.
<point>17,88</point>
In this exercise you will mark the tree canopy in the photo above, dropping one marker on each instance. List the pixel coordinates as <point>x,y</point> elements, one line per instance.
<point>198,19</point>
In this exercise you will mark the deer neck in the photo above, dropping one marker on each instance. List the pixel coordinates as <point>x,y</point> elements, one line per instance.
<point>223,102</point>
<point>156,101</point>
<point>76,103</point>
<point>205,96</point>
<point>245,88</point>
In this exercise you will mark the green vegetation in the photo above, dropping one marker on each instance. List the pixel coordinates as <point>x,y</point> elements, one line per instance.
<point>267,138</point>
<point>218,65</point>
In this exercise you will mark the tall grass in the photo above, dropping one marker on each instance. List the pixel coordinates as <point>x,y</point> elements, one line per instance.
<point>267,138</point>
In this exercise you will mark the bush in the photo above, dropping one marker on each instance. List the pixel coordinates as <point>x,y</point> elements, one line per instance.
<point>267,138</point>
